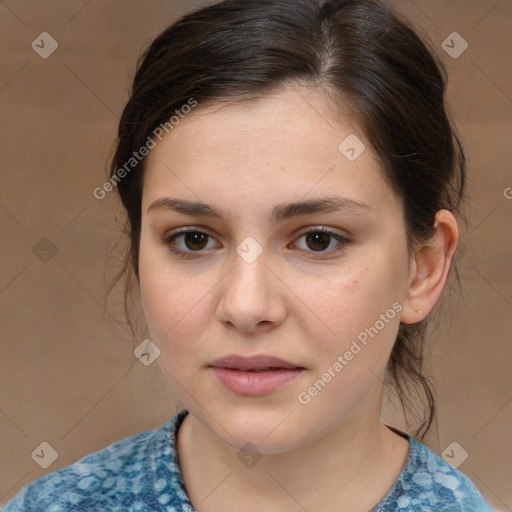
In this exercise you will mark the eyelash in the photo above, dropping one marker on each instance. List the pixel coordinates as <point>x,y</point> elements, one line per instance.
<point>169,239</point>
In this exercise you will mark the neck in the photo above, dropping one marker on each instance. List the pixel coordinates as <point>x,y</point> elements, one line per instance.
<point>355,463</point>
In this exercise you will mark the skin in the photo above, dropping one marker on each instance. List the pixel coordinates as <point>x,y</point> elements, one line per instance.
<point>295,302</point>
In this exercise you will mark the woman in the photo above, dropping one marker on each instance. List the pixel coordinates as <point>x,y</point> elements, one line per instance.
<point>291,179</point>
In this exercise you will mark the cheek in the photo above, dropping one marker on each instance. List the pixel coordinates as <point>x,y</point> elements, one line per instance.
<point>352,327</point>
<point>352,299</point>
<point>170,305</point>
<point>351,335</point>
<point>173,310</point>
<point>170,299</point>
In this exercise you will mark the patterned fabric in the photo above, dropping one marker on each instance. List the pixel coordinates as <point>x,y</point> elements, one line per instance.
<point>140,473</point>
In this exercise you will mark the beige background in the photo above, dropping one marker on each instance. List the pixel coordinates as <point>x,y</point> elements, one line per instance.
<point>68,375</point>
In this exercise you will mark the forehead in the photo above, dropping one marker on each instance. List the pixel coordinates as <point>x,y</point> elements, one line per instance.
<point>285,144</point>
<point>278,120</point>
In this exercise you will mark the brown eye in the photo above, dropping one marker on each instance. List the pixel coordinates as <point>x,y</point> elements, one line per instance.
<point>319,240</point>
<point>187,242</point>
<point>190,243</point>
<point>195,240</point>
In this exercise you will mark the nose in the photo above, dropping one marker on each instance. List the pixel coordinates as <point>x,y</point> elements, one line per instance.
<point>252,297</point>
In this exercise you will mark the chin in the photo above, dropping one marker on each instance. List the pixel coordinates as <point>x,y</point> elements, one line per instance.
<point>271,432</point>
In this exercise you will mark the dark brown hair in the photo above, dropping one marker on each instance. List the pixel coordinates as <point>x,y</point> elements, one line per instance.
<point>359,52</point>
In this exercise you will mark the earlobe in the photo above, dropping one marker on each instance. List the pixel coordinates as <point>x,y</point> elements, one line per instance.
<point>429,268</point>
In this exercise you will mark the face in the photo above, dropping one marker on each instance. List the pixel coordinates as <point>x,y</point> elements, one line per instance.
<point>263,279</point>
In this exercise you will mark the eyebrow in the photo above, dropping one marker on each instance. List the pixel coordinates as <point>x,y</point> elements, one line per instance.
<point>280,212</point>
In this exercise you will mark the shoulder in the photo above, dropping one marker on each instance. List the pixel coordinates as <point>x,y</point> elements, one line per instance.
<point>427,482</point>
<point>118,477</point>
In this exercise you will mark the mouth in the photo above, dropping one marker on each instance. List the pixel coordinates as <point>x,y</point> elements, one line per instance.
<point>254,376</point>
<point>255,370</point>
<point>257,363</point>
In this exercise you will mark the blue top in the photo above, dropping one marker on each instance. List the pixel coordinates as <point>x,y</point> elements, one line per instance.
<point>140,473</point>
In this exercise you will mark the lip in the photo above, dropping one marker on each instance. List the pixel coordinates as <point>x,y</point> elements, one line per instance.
<point>256,375</point>
<point>256,362</point>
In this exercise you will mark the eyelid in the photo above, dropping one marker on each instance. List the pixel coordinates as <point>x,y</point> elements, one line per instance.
<point>169,237</point>
<point>322,229</point>
<point>343,240</point>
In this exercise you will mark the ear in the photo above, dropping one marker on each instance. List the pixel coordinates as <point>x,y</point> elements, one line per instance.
<point>429,268</point>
